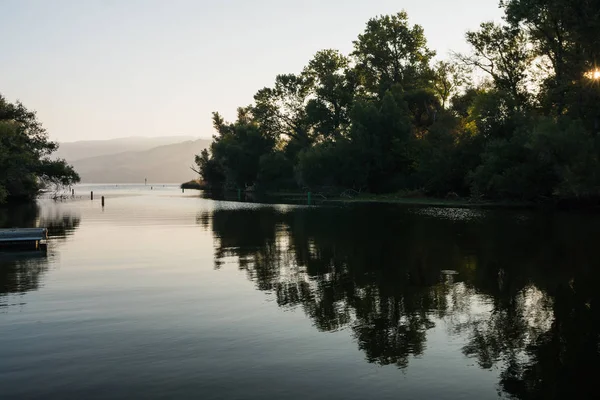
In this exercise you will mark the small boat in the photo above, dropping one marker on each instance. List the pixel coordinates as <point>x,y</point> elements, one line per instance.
<point>31,238</point>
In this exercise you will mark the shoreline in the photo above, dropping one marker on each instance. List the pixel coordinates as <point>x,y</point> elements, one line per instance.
<point>295,197</point>
<point>292,197</point>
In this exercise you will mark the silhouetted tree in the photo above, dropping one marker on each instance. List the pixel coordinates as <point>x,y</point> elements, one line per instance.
<point>25,163</point>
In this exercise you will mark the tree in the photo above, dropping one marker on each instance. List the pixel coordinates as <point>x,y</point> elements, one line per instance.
<point>565,32</point>
<point>496,114</point>
<point>335,165</point>
<point>544,158</point>
<point>280,112</point>
<point>382,134</point>
<point>446,155</point>
<point>501,52</point>
<point>423,106</point>
<point>448,78</point>
<point>25,155</point>
<point>391,52</point>
<point>235,153</point>
<point>275,171</point>
<point>209,168</point>
<point>332,89</point>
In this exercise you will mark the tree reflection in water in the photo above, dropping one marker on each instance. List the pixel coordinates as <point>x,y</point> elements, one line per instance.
<point>525,295</point>
<point>22,272</point>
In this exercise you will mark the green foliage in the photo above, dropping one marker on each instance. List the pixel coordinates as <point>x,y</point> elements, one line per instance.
<point>333,87</point>
<point>210,169</point>
<point>501,52</point>
<point>448,78</point>
<point>376,155</point>
<point>281,110</point>
<point>462,103</point>
<point>24,155</point>
<point>332,165</point>
<point>564,33</point>
<point>391,52</point>
<point>385,120</point>
<point>547,158</point>
<point>382,136</point>
<point>423,106</point>
<point>509,170</point>
<point>496,114</point>
<point>235,153</point>
<point>447,154</point>
<point>275,172</point>
<point>572,153</point>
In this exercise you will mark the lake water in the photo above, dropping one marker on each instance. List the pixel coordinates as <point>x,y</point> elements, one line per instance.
<point>167,295</point>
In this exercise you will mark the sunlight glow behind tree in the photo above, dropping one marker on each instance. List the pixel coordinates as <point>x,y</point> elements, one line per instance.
<point>593,74</point>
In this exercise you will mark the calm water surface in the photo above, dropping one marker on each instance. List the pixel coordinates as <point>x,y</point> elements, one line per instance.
<point>168,295</point>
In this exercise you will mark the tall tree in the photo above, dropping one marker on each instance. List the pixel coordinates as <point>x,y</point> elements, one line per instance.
<point>235,153</point>
<point>565,32</point>
<point>448,78</point>
<point>501,52</point>
<point>389,52</point>
<point>332,93</point>
<point>280,111</point>
<point>382,135</point>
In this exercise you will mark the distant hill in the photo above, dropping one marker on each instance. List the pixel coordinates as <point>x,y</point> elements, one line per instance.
<point>163,164</point>
<point>72,151</point>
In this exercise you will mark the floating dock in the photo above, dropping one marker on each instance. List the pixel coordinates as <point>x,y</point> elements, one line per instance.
<point>32,238</point>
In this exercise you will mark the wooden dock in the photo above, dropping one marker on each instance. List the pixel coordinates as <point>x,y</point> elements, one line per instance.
<point>35,238</point>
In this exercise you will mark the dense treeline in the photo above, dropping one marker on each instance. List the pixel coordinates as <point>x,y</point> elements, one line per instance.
<point>25,163</point>
<point>388,118</point>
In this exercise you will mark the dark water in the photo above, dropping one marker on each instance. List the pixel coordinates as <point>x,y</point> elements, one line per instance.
<point>167,295</point>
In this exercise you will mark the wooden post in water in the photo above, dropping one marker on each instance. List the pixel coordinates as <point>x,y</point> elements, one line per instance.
<point>73,192</point>
<point>239,194</point>
<point>102,201</point>
<point>309,198</point>
<point>92,195</point>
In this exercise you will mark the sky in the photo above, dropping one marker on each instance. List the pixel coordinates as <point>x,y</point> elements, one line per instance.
<point>102,69</point>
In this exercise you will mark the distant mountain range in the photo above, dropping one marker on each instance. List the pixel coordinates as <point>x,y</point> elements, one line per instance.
<point>72,151</point>
<point>131,160</point>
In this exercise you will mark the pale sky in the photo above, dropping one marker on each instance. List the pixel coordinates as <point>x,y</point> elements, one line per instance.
<point>104,69</point>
